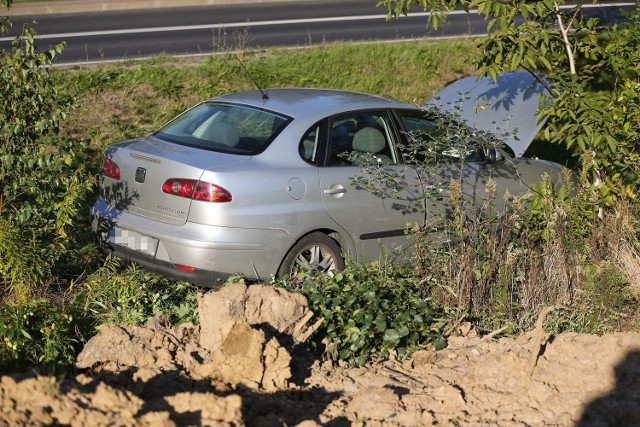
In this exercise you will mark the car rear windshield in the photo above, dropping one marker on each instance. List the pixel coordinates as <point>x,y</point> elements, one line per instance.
<point>228,128</point>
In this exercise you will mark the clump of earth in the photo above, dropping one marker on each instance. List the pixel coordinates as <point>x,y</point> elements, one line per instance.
<point>247,364</point>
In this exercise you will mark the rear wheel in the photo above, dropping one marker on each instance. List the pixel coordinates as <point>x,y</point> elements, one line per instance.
<point>315,253</point>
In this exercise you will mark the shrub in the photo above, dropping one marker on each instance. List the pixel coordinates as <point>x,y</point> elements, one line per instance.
<point>37,332</point>
<point>42,184</point>
<point>41,332</point>
<point>370,310</point>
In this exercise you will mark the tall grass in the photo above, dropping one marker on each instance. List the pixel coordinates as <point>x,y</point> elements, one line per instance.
<point>550,248</point>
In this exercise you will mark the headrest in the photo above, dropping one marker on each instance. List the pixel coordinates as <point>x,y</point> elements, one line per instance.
<point>368,140</point>
<point>224,133</point>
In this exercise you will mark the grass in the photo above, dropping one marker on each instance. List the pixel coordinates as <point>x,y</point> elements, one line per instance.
<point>131,99</point>
<point>141,96</point>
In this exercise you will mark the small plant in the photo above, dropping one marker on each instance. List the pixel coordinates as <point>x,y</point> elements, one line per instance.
<point>37,332</point>
<point>129,294</point>
<point>370,310</point>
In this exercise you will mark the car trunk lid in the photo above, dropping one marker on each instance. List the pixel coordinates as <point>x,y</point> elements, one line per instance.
<point>145,165</point>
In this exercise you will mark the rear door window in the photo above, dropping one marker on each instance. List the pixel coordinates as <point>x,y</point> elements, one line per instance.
<point>361,137</point>
<point>310,145</point>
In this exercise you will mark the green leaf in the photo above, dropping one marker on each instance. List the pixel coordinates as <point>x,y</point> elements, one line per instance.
<point>440,343</point>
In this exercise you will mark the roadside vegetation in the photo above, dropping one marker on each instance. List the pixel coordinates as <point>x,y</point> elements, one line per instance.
<point>575,250</point>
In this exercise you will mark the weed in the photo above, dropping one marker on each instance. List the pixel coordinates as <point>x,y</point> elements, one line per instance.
<point>36,332</point>
<point>370,310</point>
<point>541,251</point>
<point>119,293</point>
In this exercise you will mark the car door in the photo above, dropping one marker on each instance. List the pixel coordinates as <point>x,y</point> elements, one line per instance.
<point>453,174</point>
<point>359,144</point>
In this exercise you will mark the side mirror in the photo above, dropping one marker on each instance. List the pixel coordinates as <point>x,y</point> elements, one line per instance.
<point>492,154</point>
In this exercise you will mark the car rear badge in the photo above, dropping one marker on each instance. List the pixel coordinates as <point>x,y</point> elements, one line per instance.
<point>140,174</point>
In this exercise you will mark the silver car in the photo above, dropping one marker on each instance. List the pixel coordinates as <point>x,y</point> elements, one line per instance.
<point>258,183</point>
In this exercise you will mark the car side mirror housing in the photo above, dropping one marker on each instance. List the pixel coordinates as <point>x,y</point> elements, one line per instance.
<point>492,154</point>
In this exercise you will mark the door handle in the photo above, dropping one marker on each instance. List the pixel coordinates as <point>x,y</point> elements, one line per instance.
<point>335,191</point>
<point>437,192</point>
<point>433,187</point>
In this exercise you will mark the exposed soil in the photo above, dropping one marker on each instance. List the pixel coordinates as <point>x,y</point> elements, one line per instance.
<point>247,365</point>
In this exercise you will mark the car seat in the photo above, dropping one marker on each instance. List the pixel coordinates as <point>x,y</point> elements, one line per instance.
<point>371,140</point>
<point>218,131</point>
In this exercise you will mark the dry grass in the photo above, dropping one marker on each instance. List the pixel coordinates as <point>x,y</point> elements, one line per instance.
<point>586,267</point>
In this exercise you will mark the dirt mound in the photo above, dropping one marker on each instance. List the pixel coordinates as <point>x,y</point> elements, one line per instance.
<point>238,341</point>
<point>236,369</point>
<point>91,401</point>
<point>576,380</point>
<point>264,307</point>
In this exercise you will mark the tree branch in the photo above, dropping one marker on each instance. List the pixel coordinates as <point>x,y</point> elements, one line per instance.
<point>565,38</point>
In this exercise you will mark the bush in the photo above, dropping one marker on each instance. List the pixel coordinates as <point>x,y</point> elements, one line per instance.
<point>369,311</point>
<point>549,248</point>
<point>120,293</point>
<point>37,332</point>
<point>42,182</point>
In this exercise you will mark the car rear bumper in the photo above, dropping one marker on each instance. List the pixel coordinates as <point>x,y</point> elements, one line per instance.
<point>204,278</point>
<point>214,253</point>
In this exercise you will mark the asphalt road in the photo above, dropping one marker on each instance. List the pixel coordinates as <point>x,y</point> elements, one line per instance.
<point>126,34</point>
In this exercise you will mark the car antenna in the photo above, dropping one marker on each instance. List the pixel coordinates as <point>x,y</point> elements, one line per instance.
<point>264,94</point>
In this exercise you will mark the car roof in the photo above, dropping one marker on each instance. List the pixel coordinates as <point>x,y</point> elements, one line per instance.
<point>297,102</point>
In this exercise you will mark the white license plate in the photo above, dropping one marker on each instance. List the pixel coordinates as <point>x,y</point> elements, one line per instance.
<point>133,240</point>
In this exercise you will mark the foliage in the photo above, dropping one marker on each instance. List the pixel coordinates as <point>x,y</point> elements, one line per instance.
<point>593,70</point>
<point>42,183</point>
<point>130,100</point>
<point>36,332</point>
<point>130,295</point>
<point>370,310</point>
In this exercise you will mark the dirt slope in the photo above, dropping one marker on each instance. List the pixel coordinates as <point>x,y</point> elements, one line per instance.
<point>247,366</point>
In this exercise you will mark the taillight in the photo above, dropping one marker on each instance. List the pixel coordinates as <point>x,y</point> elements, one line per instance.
<point>110,168</point>
<point>198,190</point>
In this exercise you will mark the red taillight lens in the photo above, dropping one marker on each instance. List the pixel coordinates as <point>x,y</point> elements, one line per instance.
<point>186,268</point>
<point>191,188</point>
<point>179,187</point>
<point>211,193</point>
<point>110,168</point>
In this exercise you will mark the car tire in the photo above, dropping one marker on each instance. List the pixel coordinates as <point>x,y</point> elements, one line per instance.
<point>315,253</point>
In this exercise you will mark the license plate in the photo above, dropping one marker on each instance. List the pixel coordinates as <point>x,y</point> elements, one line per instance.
<point>133,240</point>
